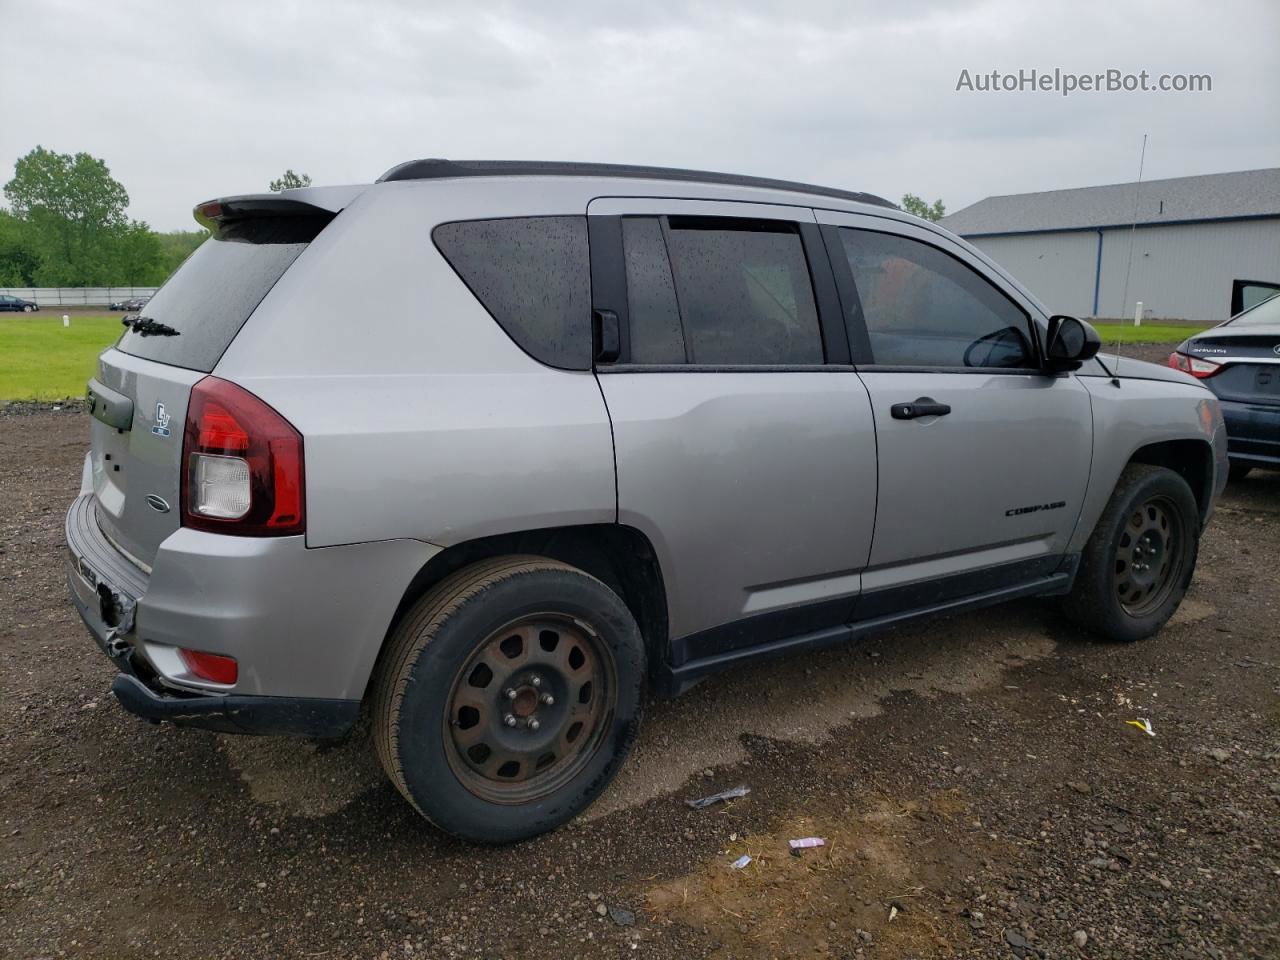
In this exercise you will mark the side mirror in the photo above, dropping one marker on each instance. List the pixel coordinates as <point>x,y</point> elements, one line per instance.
<point>1070,343</point>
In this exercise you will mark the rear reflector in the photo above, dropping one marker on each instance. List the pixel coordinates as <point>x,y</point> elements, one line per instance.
<point>210,666</point>
<point>242,465</point>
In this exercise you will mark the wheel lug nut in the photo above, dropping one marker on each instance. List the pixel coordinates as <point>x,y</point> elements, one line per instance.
<point>536,680</point>
<point>533,723</point>
<point>509,693</point>
<point>548,699</point>
<point>509,720</point>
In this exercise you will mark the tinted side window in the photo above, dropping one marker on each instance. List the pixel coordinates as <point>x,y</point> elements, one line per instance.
<point>924,308</point>
<point>657,335</point>
<point>532,274</point>
<point>739,288</point>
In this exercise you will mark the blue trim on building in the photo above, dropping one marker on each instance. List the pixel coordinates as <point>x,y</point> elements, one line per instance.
<point>1112,226</point>
<point>1097,275</point>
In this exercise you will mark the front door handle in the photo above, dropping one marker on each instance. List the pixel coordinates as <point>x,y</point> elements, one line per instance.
<point>922,407</point>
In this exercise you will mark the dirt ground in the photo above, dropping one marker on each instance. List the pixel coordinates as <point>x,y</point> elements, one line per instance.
<point>977,780</point>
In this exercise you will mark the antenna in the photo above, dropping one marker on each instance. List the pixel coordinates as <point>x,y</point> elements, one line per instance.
<point>1133,230</point>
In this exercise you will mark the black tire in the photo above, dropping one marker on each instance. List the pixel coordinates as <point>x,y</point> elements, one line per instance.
<point>1151,520</point>
<point>1238,470</point>
<point>430,677</point>
<point>27,309</point>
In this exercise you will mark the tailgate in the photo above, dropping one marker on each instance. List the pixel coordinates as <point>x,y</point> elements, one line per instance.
<point>139,408</point>
<point>140,394</point>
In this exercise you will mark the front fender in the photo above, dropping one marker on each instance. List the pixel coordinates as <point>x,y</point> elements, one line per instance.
<point>1129,415</point>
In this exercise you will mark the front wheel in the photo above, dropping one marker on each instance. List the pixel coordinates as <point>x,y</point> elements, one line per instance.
<point>508,697</point>
<point>27,309</point>
<point>1138,563</point>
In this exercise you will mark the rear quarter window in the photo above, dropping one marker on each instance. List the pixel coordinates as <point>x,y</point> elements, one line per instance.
<point>533,276</point>
<point>217,288</point>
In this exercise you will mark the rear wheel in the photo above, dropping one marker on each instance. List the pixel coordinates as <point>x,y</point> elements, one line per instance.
<point>509,697</point>
<point>1138,564</point>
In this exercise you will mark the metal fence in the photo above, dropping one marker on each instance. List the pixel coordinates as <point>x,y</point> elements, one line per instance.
<point>77,296</point>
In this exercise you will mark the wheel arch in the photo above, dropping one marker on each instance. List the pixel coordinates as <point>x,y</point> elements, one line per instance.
<point>620,556</point>
<point>1191,459</point>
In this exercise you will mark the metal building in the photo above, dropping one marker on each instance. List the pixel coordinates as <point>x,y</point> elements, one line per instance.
<point>1199,243</point>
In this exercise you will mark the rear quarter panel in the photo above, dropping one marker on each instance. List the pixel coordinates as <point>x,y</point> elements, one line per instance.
<point>1137,413</point>
<point>421,418</point>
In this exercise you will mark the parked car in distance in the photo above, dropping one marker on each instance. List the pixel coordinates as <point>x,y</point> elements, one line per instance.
<point>600,432</point>
<point>1239,360</point>
<point>137,303</point>
<point>17,304</point>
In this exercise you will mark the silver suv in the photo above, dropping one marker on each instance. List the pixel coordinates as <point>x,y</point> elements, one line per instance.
<point>488,450</point>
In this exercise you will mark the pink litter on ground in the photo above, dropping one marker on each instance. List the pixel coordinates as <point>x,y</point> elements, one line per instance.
<point>806,842</point>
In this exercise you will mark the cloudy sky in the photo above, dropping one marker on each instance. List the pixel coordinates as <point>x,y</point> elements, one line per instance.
<point>191,100</point>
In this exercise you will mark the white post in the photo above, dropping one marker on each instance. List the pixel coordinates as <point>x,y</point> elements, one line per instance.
<point>1137,315</point>
<point>66,320</point>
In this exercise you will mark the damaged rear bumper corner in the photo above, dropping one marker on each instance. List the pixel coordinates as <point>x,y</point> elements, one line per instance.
<point>141,694</point>
<point>281,716</point>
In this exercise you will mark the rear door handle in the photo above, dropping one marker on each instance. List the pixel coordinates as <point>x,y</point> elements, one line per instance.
<point>606,336</point>
<point>922,407</point>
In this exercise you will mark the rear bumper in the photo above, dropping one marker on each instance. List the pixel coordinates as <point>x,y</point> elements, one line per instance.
<point>138,687</point>
<point>1253,432</point>
<point>304,625</point>
<point>288,716</point>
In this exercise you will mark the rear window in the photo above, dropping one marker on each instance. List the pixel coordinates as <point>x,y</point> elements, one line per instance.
<point>533,275</point>
<point>213,293</point>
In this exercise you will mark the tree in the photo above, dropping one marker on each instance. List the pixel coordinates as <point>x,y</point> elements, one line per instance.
<point>913,204</point>
<point>136,256</point>
<point>18,261</point>
<point>72,208</point>
<point>290,181</point>
<point>177,245</point>
<point>68,228</point>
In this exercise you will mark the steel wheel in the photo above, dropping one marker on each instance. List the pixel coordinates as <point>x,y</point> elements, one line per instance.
<point>1149,556</point>
<point>529,707</point>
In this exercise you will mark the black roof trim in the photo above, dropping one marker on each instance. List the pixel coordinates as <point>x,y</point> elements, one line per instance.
<point>436,169</point>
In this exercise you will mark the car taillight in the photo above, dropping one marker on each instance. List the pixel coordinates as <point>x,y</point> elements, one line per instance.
<point>210,666</point>
<point>241,465</point>
<point>1193,365</point>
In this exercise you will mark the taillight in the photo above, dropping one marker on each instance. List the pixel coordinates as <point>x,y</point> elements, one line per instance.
<point>1195,366</point>
<point>210,666</point>
<point>241,465</point>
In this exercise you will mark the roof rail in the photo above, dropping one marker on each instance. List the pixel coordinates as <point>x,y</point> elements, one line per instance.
<point>437,169</point>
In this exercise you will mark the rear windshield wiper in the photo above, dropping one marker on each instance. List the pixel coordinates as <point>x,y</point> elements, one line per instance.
<point>146,327</point>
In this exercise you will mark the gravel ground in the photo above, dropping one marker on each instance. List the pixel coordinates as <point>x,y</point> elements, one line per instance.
<point>976,779</point>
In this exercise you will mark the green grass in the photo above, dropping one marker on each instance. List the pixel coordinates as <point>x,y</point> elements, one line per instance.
<point>1147,333</point>
<point>42,360</point>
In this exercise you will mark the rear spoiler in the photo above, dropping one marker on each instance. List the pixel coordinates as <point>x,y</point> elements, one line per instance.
<point>303,202</point>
